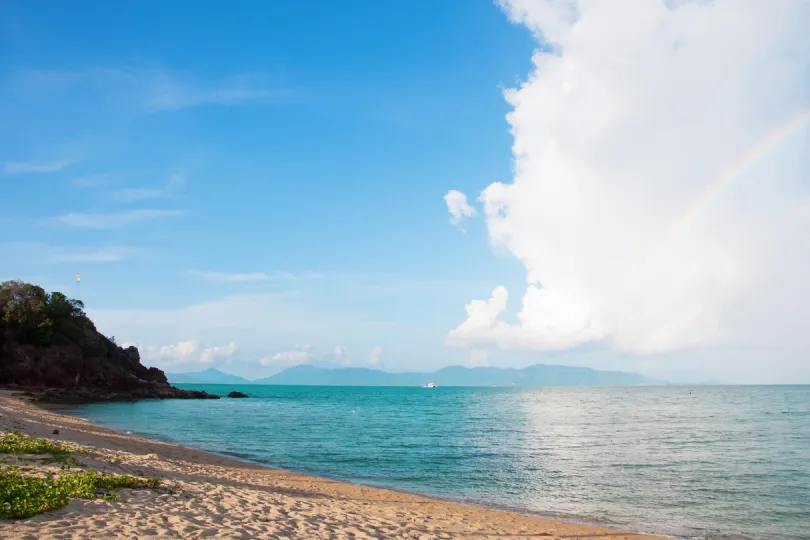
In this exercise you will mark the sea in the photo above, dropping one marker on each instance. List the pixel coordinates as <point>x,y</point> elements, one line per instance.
<point>704,462</point>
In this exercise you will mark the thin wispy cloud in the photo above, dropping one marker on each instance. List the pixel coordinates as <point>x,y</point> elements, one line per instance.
<point>247,277</point>
<point>140,194</point>
<point>46,253</point>
<point>177,181</point>
<point>362,283</point>
<point>34,167</point>
<point>308,354</point>
<point>113,220</point>
<point>168,191</point>
<point>95,180</point>
<point>90,257</point>
<point>148,89</point>
<point>167,92</point>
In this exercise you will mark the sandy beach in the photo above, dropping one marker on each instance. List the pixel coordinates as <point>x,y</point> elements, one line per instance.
<point>203,495</point>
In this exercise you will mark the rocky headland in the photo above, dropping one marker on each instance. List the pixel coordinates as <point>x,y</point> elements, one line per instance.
<point>51,350</point>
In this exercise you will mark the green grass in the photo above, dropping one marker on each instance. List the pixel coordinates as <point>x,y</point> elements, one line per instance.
<point>15,443</point>
<point>26,496</point>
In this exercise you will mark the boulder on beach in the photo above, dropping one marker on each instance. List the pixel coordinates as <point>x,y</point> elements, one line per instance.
<point>237,395</point>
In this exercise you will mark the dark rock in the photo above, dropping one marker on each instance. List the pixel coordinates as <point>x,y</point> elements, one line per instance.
<point>92,395</point>
<point>134,354</point>
<point>56,432</point>
<point>237,395</point>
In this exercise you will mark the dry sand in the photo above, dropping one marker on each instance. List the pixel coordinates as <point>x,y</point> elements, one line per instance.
<point>207,496</point>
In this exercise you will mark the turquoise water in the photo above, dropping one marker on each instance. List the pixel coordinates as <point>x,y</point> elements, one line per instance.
<point>727,460</point>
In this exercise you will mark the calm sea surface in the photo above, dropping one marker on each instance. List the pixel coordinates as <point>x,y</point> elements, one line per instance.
<point>726,460</point>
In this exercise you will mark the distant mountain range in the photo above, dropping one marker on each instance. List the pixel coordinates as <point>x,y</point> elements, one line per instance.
<point>209,376</point>
<point>532,376</point>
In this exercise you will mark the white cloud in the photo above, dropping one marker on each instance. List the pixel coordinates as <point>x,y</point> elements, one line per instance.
<point>458,206</point>
<point>620,138</point>
<point>30,167</point>
<point>120,219</point>
<point>548,320</point>
<point>288,357</point>
<point>179,352</point>
<point>208,355</point>
<point>374,357</point>
<point>182,352</point>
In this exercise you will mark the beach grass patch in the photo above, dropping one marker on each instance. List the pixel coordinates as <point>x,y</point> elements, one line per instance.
<point>116,459</point>
<point>15,443</point>
<point>26,496</point>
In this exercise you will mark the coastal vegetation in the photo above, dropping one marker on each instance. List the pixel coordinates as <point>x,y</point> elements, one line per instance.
<point>28,491</point>
<point>14,443</point>
<point>36,317</point>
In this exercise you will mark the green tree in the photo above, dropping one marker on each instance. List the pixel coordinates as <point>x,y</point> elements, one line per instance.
<point>37,315</point>
<point>22,303</point>
<point>60,307</point>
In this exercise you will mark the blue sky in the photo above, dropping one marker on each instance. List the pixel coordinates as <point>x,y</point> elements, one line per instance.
<point>156,148</point>
<point>258,185</point>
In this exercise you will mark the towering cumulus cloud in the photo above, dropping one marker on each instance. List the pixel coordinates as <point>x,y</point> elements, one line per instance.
<point>660,195</point>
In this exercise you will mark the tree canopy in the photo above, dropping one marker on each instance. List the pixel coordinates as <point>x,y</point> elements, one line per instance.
<point>39,317</point>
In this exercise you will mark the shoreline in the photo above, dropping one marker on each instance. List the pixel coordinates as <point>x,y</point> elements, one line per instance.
<point>211,494</point>
<point>471,503</point>
<point>466,503</point>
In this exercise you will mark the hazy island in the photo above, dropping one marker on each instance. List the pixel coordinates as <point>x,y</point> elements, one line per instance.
<point>538,375</point>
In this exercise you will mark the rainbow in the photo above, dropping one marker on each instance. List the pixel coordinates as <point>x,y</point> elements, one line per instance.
<point>727,177</point>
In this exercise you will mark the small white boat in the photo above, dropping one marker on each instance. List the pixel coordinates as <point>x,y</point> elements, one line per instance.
<point>430,385</point>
